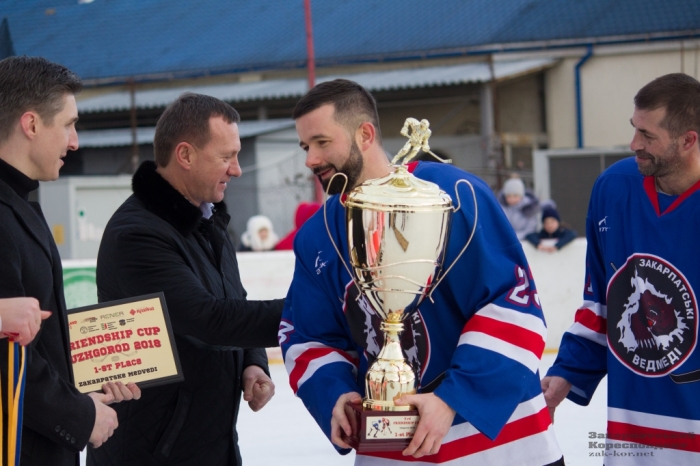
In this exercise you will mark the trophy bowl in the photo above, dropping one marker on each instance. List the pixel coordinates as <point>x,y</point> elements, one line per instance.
<point>397,228</point>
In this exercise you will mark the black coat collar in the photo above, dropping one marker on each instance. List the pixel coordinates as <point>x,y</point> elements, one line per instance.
<point>28,215</point>
<point>167,203</point>
<point>17,180</point>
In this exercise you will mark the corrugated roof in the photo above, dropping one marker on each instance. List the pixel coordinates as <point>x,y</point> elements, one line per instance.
<point>157,39</point>
<point>295,88</point>
<point>122,136</point>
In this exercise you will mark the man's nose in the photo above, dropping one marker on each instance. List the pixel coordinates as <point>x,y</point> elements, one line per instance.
<point>234,168</point>
<point>312,159</point>
<point>636,143</point>
<point>73,143</point>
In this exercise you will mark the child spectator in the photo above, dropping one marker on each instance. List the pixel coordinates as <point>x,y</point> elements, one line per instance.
<point>259,235</point>
<point>520,206</point>
<point>553,236</point>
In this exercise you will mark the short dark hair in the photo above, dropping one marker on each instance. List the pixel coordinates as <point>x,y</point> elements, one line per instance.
<point>187,120</point>
<point>32,83</point>
<point>679,94</point>
<point>353,103</point>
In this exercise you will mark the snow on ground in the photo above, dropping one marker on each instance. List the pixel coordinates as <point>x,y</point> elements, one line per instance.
<point>283,433</point>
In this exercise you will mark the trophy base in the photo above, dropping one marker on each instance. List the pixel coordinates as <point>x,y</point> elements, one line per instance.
<point>379,430</point>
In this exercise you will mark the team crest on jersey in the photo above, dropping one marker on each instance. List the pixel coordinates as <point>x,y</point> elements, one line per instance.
<point>365,328</point>
<point>652,316</point>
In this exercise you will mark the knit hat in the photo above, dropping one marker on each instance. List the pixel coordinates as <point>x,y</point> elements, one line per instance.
<point>514,186</point>
<point>550,211</point>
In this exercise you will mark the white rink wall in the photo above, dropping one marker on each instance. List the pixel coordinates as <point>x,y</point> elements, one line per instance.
<point>559,277</point>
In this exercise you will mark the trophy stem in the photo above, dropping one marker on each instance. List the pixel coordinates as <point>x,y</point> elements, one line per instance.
<point>390,376</point>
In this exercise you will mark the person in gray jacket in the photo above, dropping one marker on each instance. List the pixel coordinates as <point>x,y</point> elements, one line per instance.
<point>520,206</point>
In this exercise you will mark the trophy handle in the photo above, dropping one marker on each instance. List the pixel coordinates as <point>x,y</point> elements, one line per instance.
<point>328,230</point>
<point>471,236</point>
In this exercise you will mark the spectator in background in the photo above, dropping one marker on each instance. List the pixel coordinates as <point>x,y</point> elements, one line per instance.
<point>520,206</point>
<point>304,212</point>
<point>259,235</point>
<point>553,235</point>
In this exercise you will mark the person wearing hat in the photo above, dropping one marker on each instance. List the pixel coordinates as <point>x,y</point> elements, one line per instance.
<point>259,235</point>
<point>520,206</point>
<point>553,236</point>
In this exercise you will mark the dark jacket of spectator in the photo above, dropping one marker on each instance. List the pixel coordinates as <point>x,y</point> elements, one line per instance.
<point>563,235</point>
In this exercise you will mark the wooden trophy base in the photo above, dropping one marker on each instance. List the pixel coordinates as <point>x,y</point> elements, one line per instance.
<point>379,430</point>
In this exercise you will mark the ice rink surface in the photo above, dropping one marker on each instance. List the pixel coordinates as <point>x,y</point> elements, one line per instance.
<point>283,433</point>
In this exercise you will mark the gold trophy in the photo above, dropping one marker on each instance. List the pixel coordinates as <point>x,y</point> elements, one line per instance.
<point>397,228</point>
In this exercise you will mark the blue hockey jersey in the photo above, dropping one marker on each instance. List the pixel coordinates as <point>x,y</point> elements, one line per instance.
<point>477,346</point>
<point>638,323</point>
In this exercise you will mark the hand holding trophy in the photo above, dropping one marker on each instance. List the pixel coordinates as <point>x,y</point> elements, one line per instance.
<point>397,229</point>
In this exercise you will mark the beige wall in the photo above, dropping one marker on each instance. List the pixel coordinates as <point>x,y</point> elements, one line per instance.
<point>560,104</point>
<point>446,119</point>
<point>519,105</point>
<point>609,81</point>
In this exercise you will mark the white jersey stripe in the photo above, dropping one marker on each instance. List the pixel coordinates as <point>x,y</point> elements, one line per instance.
<point>317,363</point>
<point>295,350</point>
<point>587,333</point>
<point>653,421</point>
<point>516,353</point>
<point>311,357</point>
<point>509,316</point>
<point>598,309</point>
<point>646,456</point>
<point>535,450</point>
<point>524,409</point>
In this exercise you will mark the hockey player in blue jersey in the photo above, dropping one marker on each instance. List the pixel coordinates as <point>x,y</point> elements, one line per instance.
<point>476,348</point>
<point>639,319</point>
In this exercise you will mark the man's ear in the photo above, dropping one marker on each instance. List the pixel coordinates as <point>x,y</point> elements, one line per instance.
<point>690,138</point>
<point>366,135</point>
<point>184,155</point>
<point>29,124</point>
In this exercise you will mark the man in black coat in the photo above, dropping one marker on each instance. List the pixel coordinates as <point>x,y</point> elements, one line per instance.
<point>37,128</point>
<point>170,236</point>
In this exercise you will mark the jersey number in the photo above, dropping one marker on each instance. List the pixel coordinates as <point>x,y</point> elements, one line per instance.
<point>522,293</point>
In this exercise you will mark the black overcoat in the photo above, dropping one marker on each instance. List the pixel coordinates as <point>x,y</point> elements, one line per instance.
<point>58,420</point>
<point>157,241</point>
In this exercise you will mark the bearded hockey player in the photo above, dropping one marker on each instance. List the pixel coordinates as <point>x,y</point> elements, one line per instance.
<point>476,348</point>
<point>639,323</point>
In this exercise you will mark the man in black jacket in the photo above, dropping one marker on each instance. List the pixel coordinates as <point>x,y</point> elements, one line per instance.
<point>37,128</point>
<point>170,236</point>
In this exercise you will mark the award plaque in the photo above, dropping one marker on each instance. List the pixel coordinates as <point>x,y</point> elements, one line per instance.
<point>397,229</point>
<point>128,340</point>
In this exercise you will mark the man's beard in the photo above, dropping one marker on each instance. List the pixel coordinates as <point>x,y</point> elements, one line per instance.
<point>352,168</point>
<point>660,166</point>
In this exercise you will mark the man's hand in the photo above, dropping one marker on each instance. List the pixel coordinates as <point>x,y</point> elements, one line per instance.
<point>436,417</point>
<point>546,248</point>
<point>21,319</point>
<point>555,390</point>
<point>258,388</point>
<point>121,392</point>
<point>105,419</point>
<point>339,419</point>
